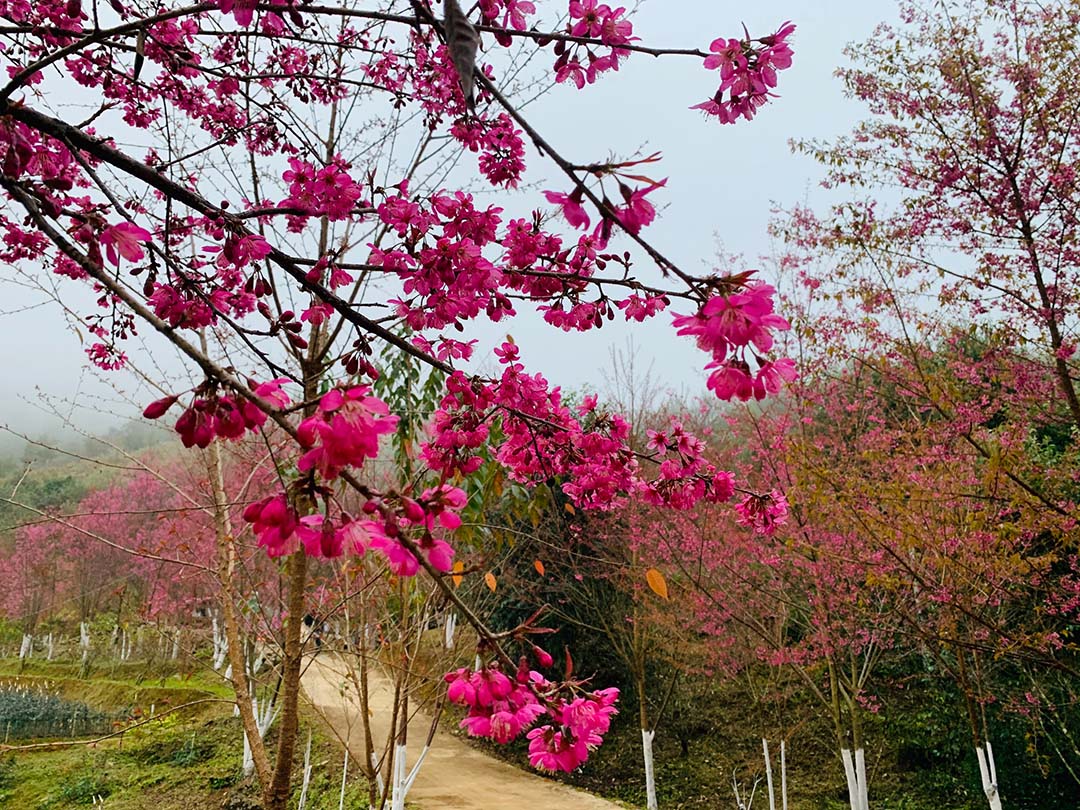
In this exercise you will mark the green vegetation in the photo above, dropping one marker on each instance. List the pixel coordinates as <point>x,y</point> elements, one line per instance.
<point>926,765</point>
<point>189,759</point>
<point>35,709</point>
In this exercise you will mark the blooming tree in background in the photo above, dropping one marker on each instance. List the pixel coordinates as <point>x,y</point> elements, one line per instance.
<point>943,311</point>
<point>286,213</point>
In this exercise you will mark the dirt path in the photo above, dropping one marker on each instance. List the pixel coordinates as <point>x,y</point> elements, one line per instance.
<point>454,775</point>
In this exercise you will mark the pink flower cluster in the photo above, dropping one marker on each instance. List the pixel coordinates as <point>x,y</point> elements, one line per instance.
<point>345,431</point>
<point>685,476</point>
<point>507,13</point>
<point>49,16</point>
<point>579,729</point>
<point>243,11</point>
<point>275,523</point>
<point>447,279</point>
<point>635,213</point>
<point>328,191</point>
<point>240,251</point>
<point>730,327</point>
<point>25,151</point>
<point>747,73</point>
<point>499,144</point>
<point>183,305</point>
<point>438,506</point>
<point>541,437</point>
<point>281,530</point>
<point>579,62</point>
<point>763,513</point>
<point>106,357</point>
<point>322,537</point>
<point>571,207</point>
<point>212,414</point>
<point>501,709</point>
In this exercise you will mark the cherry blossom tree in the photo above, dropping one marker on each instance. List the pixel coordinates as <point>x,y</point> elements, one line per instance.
<point>31,571</point>
<point>952,297</point>
<point>288,212</point>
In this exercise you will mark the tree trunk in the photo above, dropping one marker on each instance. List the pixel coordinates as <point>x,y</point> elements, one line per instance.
<point>344,778</point>
<point>650,772</point>
<point>783,775</point>
<point>448,630</point>
<point>854,794</point>
<point>860,774</point>
<point>226,564</point>
<point>307,775</point>
<point>768,773</point>
<point>647,736</point>
<point>988,772</point>
<point>277,796</point>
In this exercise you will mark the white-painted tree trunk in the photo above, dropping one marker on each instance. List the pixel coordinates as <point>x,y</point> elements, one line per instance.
<point>768,773</point>
<point>860,774</point>
<point>49,649</point>
<point>398,777</point>
<point>379,786</point>
<point>988,772</point>
<point>175,644</point>
<point>783,774</point>
<point>265,715</point>
<point>739,803</point>
<point>344,777</point>
<point>855,789</point>
<point>84,641</point>
<point>307,775</point>
<point>401,778</point>
<point>448,630</point>
<point>647,736</point>
<point>26,649</point>
<point>221,645</point>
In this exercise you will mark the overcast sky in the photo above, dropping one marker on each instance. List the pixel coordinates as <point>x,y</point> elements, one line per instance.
<point>722,183</point>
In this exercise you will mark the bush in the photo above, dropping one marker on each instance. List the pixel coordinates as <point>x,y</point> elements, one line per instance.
<point>37,710</point>
<point>83,788</point>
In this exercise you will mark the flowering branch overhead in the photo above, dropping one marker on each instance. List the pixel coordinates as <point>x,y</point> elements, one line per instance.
<point>274,212</point>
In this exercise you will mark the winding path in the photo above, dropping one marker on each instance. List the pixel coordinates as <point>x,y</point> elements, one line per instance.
<point>454,775</point>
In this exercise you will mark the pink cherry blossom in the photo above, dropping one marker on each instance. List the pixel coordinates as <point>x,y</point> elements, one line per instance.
<point>124,240</point>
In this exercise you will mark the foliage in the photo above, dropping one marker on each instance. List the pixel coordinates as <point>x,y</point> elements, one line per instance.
<point>35,709</point>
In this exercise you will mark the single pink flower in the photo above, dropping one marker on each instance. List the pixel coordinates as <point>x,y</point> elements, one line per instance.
<point>124,241</point>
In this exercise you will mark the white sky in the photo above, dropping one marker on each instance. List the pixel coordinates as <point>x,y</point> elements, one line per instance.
<point>723,182</point>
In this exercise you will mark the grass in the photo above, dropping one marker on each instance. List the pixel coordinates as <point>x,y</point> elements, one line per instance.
<point>189,759</point>
<point>122,675</point>
<point>167,766</point>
